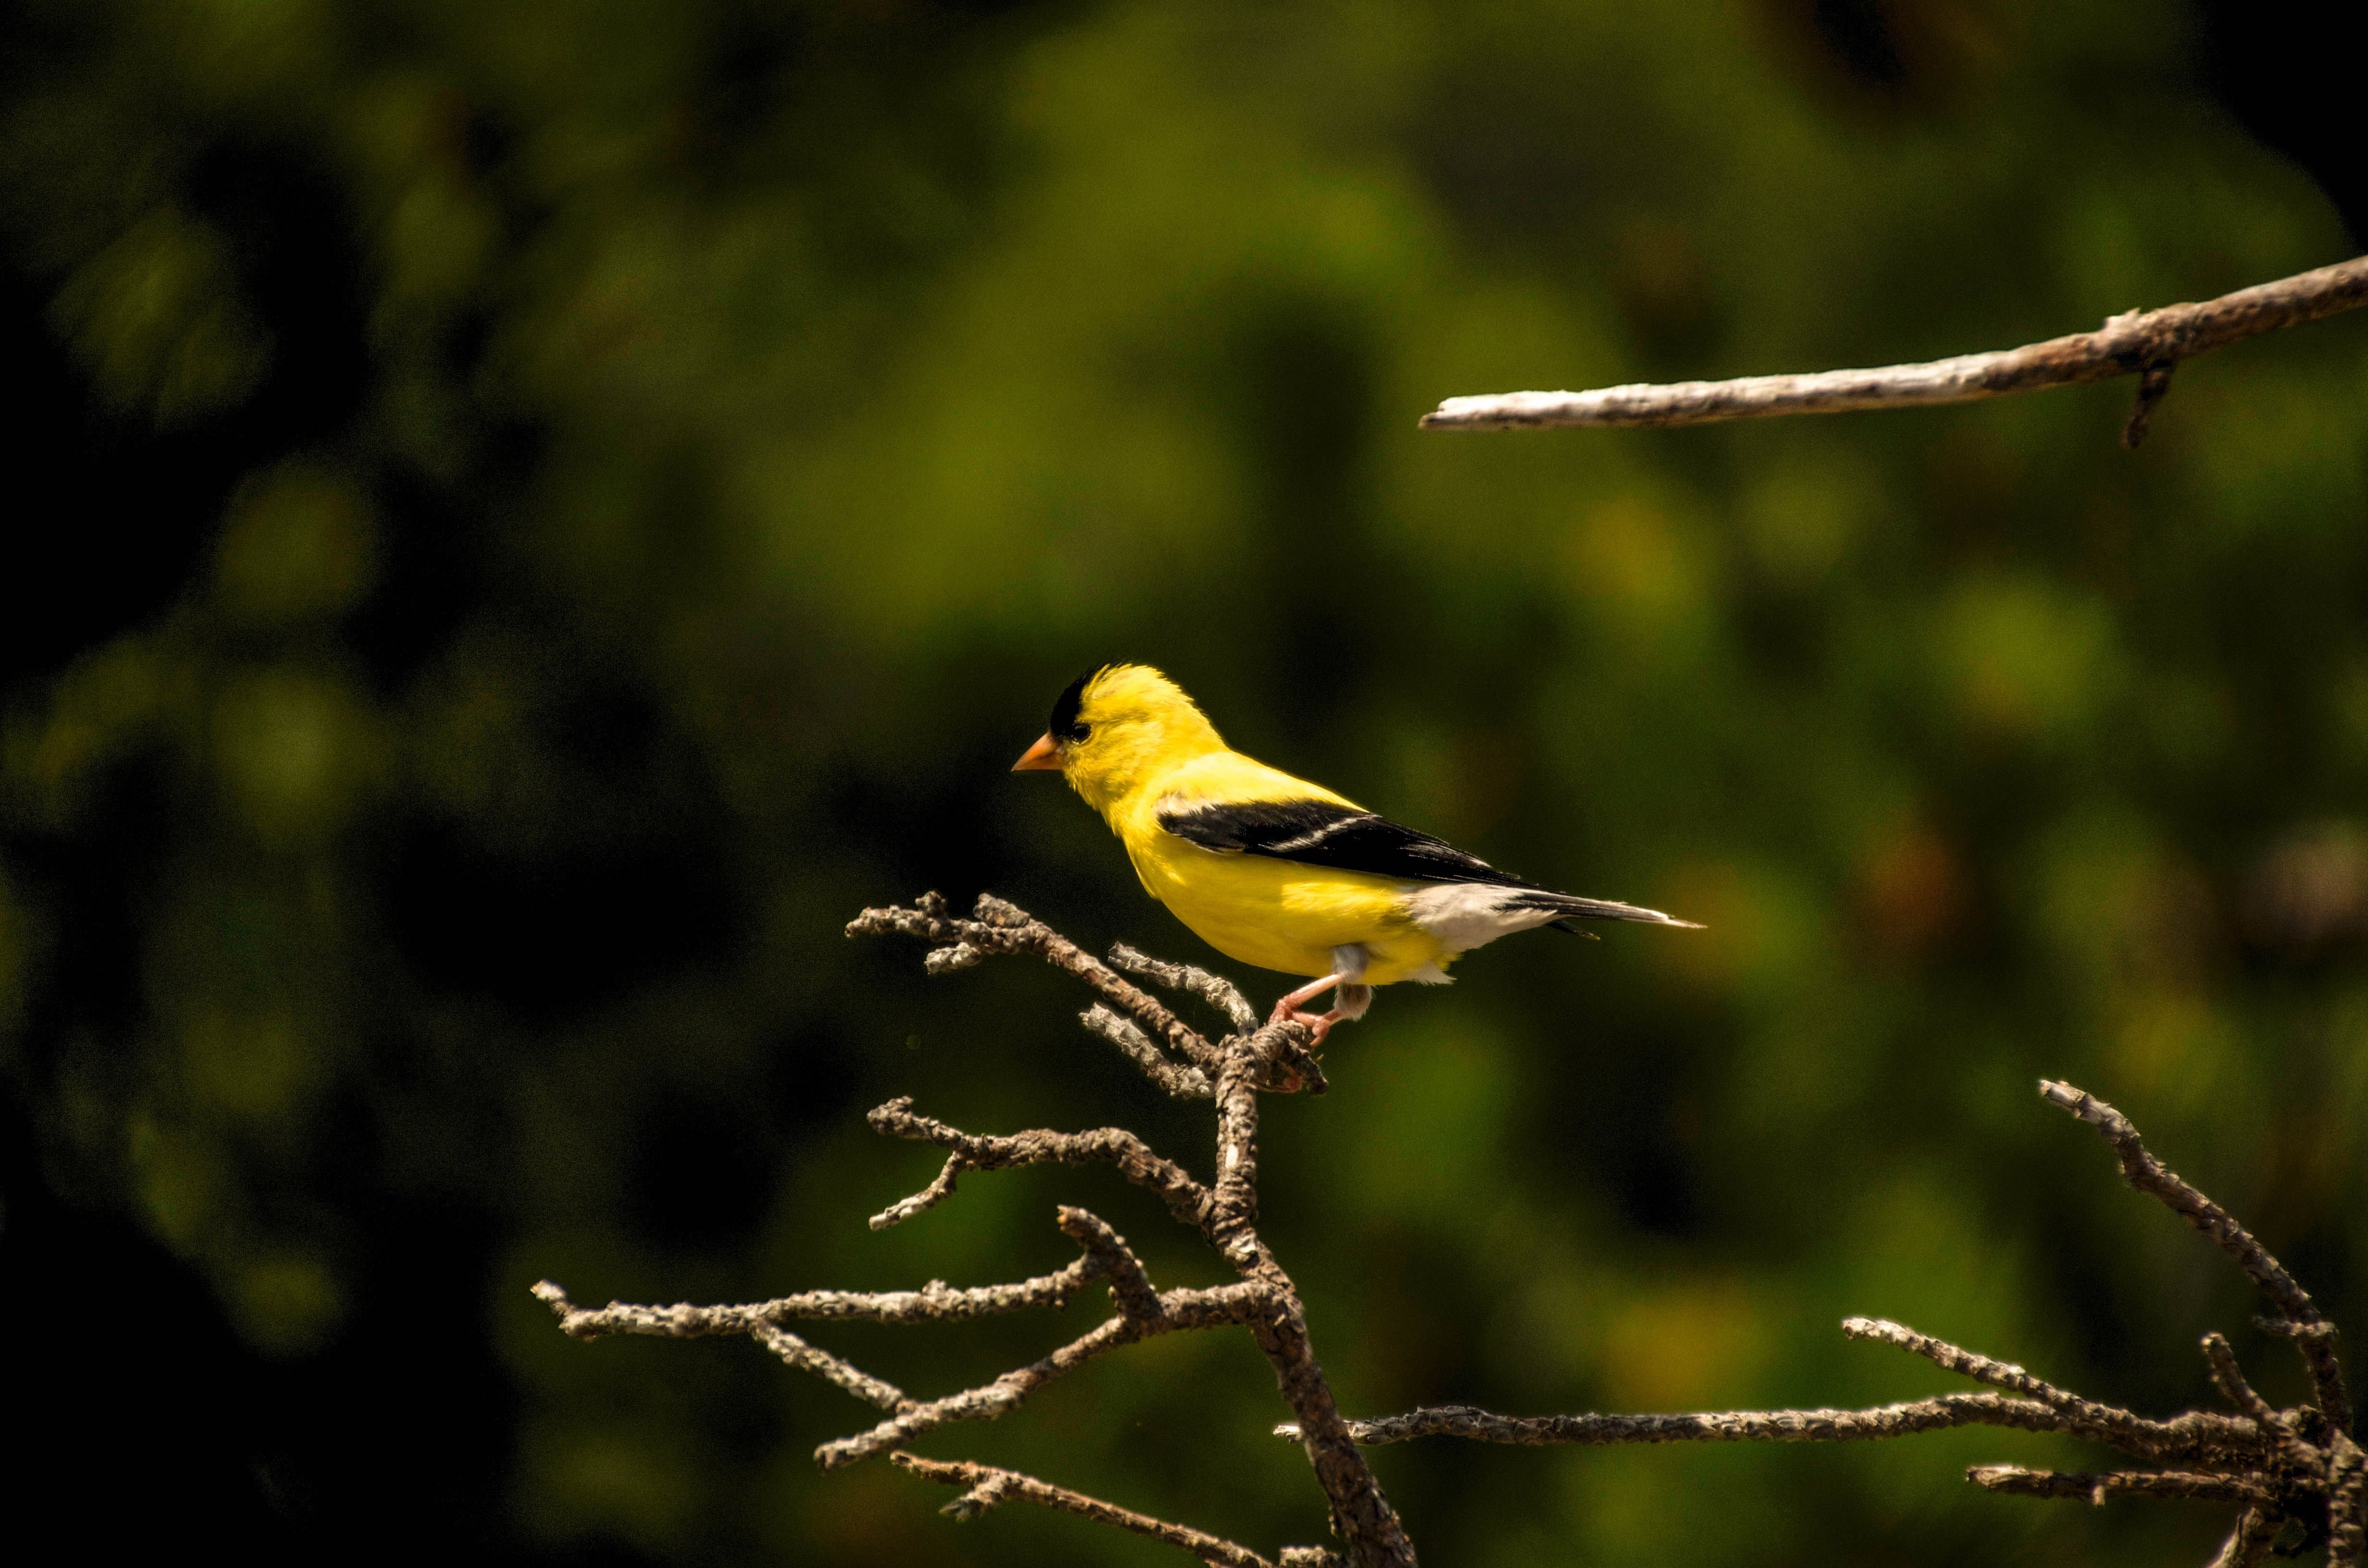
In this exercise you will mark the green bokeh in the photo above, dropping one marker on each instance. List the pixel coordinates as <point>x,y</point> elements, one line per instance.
<point>825,385</point>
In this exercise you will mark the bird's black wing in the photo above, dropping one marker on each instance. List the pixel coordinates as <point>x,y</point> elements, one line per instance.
<point>1322,832</point>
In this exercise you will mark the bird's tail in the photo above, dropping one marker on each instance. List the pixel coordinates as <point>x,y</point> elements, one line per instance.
<point>1571,908</point>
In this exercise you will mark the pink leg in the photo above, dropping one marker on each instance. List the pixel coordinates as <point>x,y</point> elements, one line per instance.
<point>1289,1007</point>
<point>1349,1001</point>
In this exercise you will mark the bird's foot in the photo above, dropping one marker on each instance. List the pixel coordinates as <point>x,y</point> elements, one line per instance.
<point>1291,1006</point>
<point>1317,1025</point>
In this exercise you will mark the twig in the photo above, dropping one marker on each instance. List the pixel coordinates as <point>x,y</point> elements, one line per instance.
<point>2299,1317</point>
<point>986,1485</point>
<point>2346,1505</point>
<point>1186,1198</point>
<point>2315,1342</point>
<point>2085,1417</point>
<point>2096,1488</point>
<point>1215,990</point>
<point>2151,1177</point>
<point>1175,1309</point>
<point>1002,928</point>
<point>2229,1378</point>
<point>2255,1532</point>
<point>1128,1282</point>
<point>929,1197</point>
<point>936,1302</point>
<point>812,1359</point>
<point>1179,1079</point>
<point>979,1498</point>
<point>1880,1422</point>
<point>2148,343</point>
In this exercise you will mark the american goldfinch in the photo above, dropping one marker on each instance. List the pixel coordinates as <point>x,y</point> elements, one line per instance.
<point>1274,871</point>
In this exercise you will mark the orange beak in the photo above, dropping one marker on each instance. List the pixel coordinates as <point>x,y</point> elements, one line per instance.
<point>1042,758</point>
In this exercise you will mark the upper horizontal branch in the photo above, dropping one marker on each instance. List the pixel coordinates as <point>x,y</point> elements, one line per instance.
<point>2132,344</point>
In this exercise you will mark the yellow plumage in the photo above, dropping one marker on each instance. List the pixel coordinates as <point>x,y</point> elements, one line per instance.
<point>1277,914</point>
<point>1272,869</point>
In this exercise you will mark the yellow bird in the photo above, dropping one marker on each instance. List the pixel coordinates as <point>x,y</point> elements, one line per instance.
<point>1274,871</point>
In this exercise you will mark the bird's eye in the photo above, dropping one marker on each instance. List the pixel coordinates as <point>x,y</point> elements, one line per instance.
<point>1080,732</point>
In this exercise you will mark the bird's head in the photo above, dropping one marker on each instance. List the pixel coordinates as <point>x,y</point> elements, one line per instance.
<point>1115,729</point>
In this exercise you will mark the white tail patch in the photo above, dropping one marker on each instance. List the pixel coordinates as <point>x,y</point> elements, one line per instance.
<point>1464,916</point>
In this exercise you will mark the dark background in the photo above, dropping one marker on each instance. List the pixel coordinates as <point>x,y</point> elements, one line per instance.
<point>530,515</point>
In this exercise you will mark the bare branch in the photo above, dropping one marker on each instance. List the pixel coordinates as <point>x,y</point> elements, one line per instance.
<point>935,1303</point>
<point>1233,1208</point>
<point>1361,1515</point>
<point>1128,1282</point>
<point>2313,1335</point>
<point>2315,1342</point>
<point>2096,1487</point>
<point>830,1368</point>
<point>1177,1309</point>
<point>987,1485</point>
<point>1182,1081</point>
<point>2256,1531</point>
<point>1285,1063</point>
<point>1215,990</point>
<point>2134,1433</point>
<point>1882,1421</point>
<point>2346,1505</point>
<point>978,1499</point>
<point>929,1197</point>
<point>2229,1378</point>
<point>2283,1465</point>
<point>1001,928</point>
<point>2143,343</point>
<point>2158,1180</point>
<point>1186,1198</point>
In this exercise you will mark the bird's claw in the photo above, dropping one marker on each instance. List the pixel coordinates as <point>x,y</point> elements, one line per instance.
<point>1318,1024</point>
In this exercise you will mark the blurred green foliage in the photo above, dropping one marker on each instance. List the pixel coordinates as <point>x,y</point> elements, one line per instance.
<point>668,458</point>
